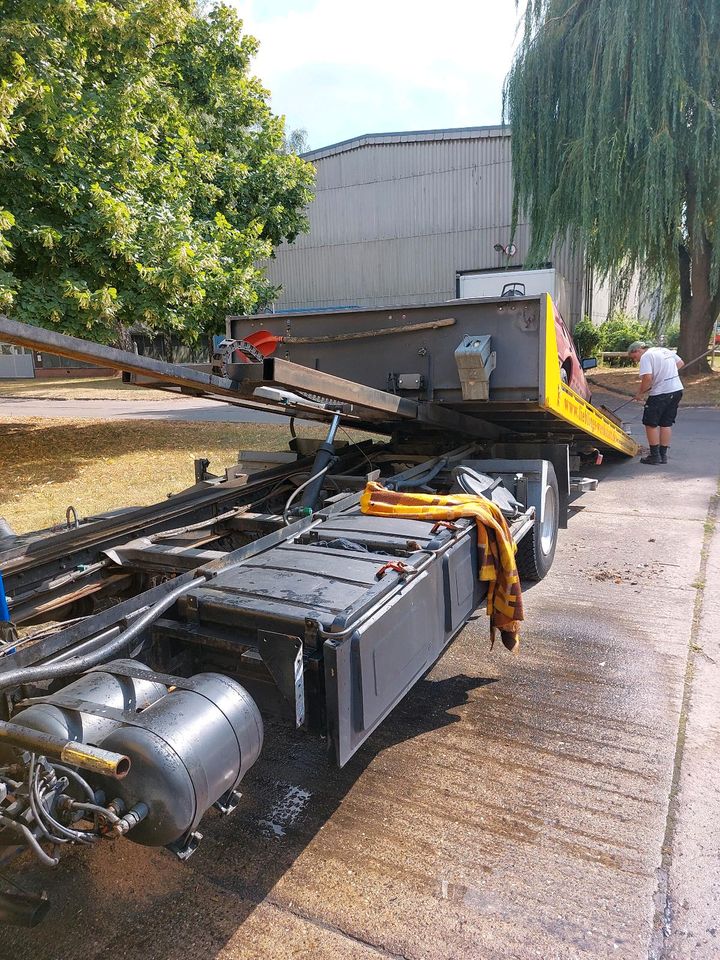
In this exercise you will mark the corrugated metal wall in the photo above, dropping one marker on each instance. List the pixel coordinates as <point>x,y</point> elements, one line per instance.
<point>396,216</point>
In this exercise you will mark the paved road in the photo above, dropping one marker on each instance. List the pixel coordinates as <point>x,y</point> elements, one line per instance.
<point>560,804</point>
<point>187,408</point>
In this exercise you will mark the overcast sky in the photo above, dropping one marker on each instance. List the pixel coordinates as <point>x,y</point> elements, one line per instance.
<point>341,69</point>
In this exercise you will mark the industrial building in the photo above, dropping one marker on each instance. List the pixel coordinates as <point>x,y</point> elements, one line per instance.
<point>399,216</point>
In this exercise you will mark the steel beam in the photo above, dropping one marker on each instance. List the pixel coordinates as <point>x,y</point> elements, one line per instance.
<point>293,376</point>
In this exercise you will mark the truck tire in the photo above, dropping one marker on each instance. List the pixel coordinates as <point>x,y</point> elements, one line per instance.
<point>536,550</point>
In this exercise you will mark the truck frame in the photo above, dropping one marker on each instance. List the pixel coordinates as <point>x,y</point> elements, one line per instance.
<point>266,590</point>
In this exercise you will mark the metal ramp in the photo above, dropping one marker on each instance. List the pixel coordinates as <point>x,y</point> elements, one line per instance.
<point>384,370</point>
<point>357,405</point>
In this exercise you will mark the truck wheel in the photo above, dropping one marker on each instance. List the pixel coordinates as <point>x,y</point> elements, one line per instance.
<point>536,550</point>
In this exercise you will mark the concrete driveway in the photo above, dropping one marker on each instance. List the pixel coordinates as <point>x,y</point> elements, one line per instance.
<point>185,408</point>
<point>559,804</point>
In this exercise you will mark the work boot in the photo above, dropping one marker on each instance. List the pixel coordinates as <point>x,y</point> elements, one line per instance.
<point>663,454</point>
<point>653,456</point>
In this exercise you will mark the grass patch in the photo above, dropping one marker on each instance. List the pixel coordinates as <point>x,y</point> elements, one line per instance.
<point>97,388</point>
<point>99,465</point>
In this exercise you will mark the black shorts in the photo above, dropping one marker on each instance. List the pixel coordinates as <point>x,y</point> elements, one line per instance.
<point>661,410</point>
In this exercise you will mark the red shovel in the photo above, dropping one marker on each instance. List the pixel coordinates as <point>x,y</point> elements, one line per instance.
<point>265,342</point>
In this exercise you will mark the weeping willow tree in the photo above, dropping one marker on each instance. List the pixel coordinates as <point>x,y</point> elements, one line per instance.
<point>614,111</point>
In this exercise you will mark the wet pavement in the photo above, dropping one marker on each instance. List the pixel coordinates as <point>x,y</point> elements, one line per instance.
<point>559,804</point>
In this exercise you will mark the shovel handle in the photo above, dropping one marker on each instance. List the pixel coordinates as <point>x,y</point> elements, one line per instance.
<point>361,335</point>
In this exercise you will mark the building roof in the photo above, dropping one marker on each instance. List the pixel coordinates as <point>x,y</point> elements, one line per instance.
<point>408,136</point>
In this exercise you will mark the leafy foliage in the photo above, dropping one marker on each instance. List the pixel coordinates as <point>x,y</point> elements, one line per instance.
<point>616,334</point>
<point>587,338</point>
<point>142,173</point>
<point>614,109</point>
<point>620,330</point>
<point>671,337</point>
<point>296,141</point>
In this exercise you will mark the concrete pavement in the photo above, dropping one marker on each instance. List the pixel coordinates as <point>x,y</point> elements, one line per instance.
<point>559,804</point>
<point>185,408</point>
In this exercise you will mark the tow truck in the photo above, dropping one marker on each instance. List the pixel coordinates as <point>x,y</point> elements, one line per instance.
<point>141,648</point>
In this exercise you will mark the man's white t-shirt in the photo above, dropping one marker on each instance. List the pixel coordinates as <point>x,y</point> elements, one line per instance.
<point>662,364</point>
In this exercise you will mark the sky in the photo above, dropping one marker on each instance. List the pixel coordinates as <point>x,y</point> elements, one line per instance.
<point>341,69</point>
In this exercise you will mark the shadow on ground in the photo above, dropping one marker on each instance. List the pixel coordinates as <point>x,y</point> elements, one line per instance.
<point>135,901</point>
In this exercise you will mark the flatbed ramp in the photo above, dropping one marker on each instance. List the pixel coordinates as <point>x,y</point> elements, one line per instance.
<point>388,368</point>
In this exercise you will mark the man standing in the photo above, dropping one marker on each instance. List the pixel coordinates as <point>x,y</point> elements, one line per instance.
<point>662,389</point>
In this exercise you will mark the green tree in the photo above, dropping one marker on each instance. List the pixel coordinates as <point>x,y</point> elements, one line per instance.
<point>616,140</point>
<point>296,141</point>
<point>587,338</point>
<point>142,173</point>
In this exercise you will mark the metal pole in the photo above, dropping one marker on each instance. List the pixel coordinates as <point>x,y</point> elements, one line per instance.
<point>323,459</point>
<point>76,754</point>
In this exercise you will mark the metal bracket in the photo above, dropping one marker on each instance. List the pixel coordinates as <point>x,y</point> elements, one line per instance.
<point>224,353</point>
<point>282,654</point>
<point>8,633</point>
<point>406,381</point>
<point>475,362</point>
<point>186,846</point>
<point>201,467</point>
<point>228,802</point>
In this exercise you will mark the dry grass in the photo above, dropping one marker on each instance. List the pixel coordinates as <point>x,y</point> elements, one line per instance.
<point>97,465</point>
<point>103,388</point>
<point>699,391</point>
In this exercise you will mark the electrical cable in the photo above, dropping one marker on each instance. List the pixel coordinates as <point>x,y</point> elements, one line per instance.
<point>297,490</point>
<point>354,443</point>
<point>68,771</point>
<point>43,815</point>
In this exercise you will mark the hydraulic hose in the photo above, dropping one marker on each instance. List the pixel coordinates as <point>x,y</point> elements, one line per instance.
<point>67,668</point>
<point>31,840</point>
<point>418,481</point>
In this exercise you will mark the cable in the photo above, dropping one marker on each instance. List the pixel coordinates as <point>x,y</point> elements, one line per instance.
<point>421,481</point>
<point>31,840</point>
<point>76,776</point>
<point>356,444</point>
<point>61,581</point>
<point>43,815</point>
<point>79,664</point>
<point>95,808</point>
<point>211,521</point>
<point>302,487</point>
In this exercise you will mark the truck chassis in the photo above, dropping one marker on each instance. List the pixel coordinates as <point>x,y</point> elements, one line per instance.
<point>177,626</point>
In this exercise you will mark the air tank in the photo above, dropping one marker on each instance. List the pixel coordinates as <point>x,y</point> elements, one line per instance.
<point>192,747</point>
<point>189,746</point>
<point>61,716</point>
